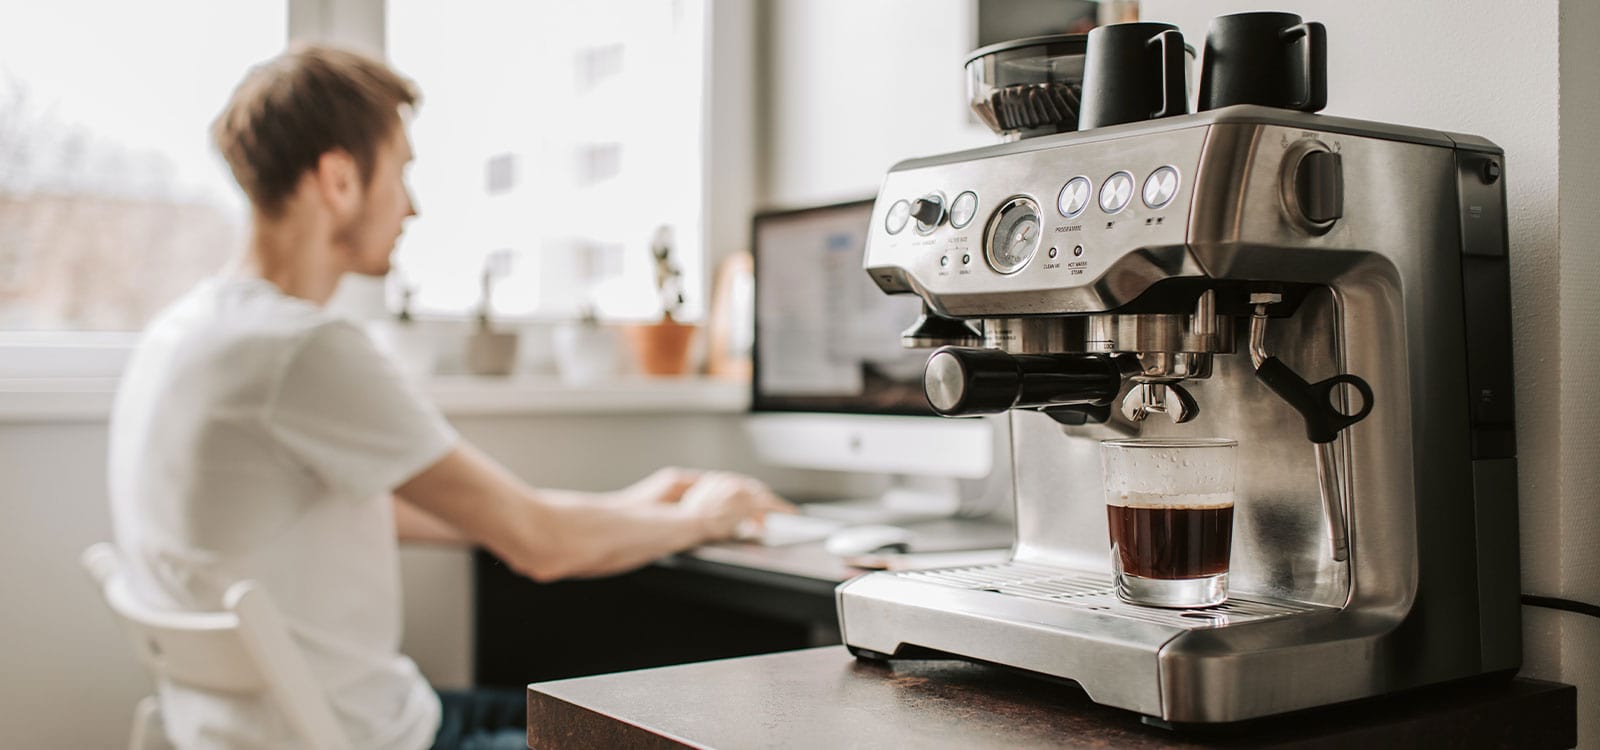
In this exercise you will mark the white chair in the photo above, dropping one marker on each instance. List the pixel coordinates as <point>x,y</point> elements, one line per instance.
<point>245,649</point>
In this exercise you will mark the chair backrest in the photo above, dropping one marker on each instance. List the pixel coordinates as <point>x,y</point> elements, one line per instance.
<point>245,649</point>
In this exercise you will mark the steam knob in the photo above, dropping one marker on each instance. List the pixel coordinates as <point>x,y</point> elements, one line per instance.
<point>1319,187</point>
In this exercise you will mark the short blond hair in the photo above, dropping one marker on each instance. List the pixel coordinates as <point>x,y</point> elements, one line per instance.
<point>292,109</point>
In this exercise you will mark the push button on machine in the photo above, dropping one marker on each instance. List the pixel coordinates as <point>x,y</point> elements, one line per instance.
<point>1074,197</point>
<point>899,214</point>
<point>963,208</point>
<point>1115,192</point>
<point>1160,187</point>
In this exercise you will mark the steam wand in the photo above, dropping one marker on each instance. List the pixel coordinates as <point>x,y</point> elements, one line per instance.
<point>1314,401</point>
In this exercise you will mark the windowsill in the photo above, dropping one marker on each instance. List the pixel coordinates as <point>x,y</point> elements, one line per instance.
<point>467,395</point>
<point>89,399</point>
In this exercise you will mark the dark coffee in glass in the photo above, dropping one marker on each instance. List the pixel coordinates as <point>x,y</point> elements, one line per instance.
<point>1181,541</point>
<point>1169,514</point>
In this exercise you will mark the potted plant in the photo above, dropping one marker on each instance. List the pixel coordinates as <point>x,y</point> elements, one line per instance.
<point>663,347</point>
<point>491,352</point>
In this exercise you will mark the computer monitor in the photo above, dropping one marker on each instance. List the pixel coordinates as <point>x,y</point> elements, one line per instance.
<point>834,389</point>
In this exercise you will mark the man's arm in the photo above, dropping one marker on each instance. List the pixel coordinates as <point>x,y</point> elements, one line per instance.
<point>413,524</point>
<point>549,535</point>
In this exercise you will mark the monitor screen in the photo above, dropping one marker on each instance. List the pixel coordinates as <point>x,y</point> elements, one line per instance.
<point>826,338</point>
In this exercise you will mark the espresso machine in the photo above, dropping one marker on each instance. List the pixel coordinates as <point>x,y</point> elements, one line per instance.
<point>1330,293</point>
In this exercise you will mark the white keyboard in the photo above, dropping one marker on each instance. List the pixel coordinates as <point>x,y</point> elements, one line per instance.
<point>794,528</point>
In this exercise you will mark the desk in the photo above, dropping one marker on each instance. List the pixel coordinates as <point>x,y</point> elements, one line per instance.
<point>823,697</point>
<point>712,602</point>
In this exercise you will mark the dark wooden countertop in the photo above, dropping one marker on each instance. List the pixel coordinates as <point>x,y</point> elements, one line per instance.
<point>825,698</point>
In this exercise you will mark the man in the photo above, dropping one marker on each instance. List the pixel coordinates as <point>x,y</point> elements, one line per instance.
<point>255,436</point>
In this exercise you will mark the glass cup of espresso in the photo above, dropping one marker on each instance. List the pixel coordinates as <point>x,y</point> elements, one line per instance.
<point>1169,505</point>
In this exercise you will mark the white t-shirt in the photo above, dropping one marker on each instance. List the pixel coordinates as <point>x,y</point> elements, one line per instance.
<point>256,436</point>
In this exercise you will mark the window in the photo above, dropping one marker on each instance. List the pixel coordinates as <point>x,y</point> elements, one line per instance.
<point>112,200</point>
<point>552,143</point>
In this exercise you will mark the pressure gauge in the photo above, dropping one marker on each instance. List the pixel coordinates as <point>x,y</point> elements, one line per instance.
<point>1013,235</point>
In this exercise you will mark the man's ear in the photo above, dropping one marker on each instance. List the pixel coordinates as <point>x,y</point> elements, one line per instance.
<point>339,181</point>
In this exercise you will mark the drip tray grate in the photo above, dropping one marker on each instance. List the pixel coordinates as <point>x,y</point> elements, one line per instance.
<point>1094,592</point>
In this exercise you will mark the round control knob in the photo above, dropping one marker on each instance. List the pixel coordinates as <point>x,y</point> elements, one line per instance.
<point>928,211</point>
<point>1319,186</point>
<point>1312,180</point>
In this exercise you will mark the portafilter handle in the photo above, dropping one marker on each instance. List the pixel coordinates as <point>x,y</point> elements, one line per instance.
<point>962,381</point>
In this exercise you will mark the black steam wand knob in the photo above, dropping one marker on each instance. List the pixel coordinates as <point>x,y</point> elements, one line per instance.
<point>1324,421</point>
<point>928,210</point>
<point>961,381</point>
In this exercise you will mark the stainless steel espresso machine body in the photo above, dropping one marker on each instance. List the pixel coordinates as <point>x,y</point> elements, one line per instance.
<point>1135,280</point>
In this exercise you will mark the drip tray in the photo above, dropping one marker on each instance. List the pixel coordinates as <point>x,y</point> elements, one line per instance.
<point>1094,592</point>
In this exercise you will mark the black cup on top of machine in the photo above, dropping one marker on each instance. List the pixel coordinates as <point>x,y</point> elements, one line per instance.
<point>1134,72</point>
<point>1270,59</point>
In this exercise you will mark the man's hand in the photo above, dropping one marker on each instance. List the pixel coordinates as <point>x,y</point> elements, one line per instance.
<point>723,501</point>
<point>663,486</point>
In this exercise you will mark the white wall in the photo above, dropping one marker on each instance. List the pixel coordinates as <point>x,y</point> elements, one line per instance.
<point>853,87</point>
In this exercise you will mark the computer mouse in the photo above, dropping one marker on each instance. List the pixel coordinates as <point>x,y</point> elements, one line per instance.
<point>867,539</point>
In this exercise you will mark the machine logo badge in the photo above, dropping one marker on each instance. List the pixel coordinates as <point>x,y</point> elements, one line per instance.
<point>1116,192</point>
<point>1160,187</point>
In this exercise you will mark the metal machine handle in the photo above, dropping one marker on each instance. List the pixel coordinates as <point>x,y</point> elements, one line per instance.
<point>962,381</point>
<point>1314,401</point>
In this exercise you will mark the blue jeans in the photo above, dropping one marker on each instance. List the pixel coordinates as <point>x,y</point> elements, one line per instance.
<point>483,719</point>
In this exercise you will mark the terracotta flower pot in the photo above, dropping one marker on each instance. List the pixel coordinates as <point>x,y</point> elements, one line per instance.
<point>661,348</point>
<point>491,353</point>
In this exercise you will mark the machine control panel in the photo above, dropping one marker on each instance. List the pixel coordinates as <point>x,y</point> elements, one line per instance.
<point>1032,221</point>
